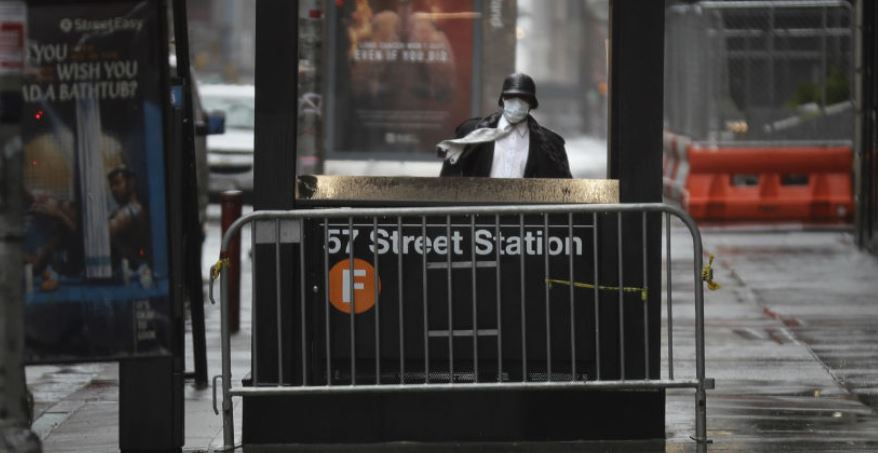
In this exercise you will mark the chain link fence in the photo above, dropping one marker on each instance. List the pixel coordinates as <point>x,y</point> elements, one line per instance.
<point>760,71</point>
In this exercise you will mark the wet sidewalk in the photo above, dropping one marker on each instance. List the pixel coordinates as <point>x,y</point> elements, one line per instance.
<point>792,341</point>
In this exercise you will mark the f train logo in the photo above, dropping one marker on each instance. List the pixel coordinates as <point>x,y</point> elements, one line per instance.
<point>357,286</point>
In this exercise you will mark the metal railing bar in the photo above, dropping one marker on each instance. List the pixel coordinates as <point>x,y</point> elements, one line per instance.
<point>450,304</point>
<point>498,294</point>
<point>645,305</point>
<point>669,299</point>
<point>455,224</point>
<point>523,311</point>
<point>460,264</point>
<point>597,300</point>
<point>553,385</point>
<point>425,295</point>
<point>280,341</point>
<point>401,298</point>
<point>226,353</point>
<point>621,298</point>
<point>302,305</point>
<point>334,213</point>
<point>546,296</point>
<point>700,394</point>
<point>326,299</point>
<point>572,297</point>
<point>462,333</point>
<point>253,299</point>
<point>475,328</point>
<point>353,301</point>
<point>375,287</point>
<point>772,4</point>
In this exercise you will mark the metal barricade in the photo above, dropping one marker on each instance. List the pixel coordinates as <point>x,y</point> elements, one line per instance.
<point>476,236</point>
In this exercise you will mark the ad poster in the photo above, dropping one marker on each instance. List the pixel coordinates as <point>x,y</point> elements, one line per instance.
<point>403,78</point>
<point>96,261</point>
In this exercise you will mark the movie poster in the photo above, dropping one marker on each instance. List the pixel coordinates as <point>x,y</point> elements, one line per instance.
<point>96,259</point>
<point>404,73</point>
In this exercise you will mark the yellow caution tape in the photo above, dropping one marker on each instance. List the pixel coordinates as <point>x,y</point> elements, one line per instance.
<point>644,293</point>
<point>707,275</point>
<point>218,267</point>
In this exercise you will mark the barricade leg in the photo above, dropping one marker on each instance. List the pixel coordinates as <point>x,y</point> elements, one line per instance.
<point>228,420</point>
<point>701,415</point>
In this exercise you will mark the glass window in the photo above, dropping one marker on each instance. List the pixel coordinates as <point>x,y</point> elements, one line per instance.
<point>381,82</point>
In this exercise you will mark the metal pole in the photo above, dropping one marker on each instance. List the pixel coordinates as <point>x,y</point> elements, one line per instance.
<point>424,300</point>
<point>450,303</point>
<point>597,298</point>
<point>475,297</point>
<point>572,309</point>
<point>523,298</point>
<point>770,51</point>
<point>230,202</point>
<point>326,302</point>
<point>621,299</point>
<point>700,393</point>
<point>302,323</point>
<point>228,416</point>
<point>375,287</point>
<point>498,288</point>
<point>645,306</point>
<point>669,298</point>
<point>353,302</point>
<point>546,295</point>
<point>823,64</point>
<point>278,304</point>
<point>253,297</point>
<point>400,299</point>
<point>14,411</point>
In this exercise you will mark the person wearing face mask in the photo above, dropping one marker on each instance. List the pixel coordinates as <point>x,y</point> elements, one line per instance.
<point>508,143</point>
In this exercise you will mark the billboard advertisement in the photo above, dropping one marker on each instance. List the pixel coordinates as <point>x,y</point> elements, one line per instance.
<point>93,136</point>
<point>403,73</point>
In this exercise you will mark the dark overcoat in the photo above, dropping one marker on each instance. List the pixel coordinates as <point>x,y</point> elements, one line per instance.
<point>546,155</point>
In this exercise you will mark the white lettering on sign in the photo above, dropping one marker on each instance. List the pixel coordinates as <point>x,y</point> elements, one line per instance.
<point>346,283</point>
<point>383,241</point>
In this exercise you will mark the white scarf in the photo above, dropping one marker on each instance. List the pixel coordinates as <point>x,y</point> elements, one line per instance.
<point>453,148</point>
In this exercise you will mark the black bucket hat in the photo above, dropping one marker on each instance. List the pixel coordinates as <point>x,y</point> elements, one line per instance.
<point>520,85</point>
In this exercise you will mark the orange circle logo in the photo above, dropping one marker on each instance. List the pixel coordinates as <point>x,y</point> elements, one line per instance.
<point>353,286</point>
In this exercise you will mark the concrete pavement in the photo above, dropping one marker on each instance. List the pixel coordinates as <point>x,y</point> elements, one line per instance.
<point>791,341</point>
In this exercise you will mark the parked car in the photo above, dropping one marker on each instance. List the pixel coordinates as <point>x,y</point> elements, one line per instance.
<point>230,155</point>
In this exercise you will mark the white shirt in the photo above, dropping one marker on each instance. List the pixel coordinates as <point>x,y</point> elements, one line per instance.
<point>510,152</point>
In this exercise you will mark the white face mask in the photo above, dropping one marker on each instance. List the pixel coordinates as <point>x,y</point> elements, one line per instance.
<point>515,110</point>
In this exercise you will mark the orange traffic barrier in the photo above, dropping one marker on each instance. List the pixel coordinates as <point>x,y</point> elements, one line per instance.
<point>805,184</point>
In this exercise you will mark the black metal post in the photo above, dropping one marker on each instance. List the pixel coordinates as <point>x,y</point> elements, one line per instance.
<point>274,170</point>
<point>151,416</point>
<point>15,411</point>
<point>635,159</point>
<point>193,234</point>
